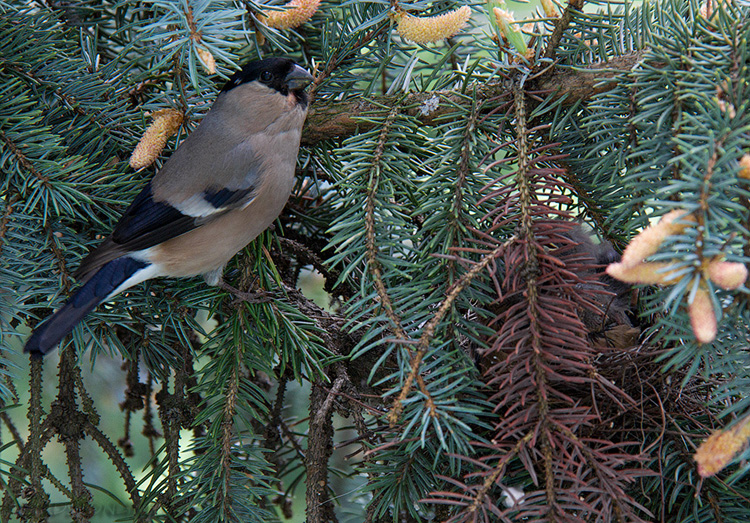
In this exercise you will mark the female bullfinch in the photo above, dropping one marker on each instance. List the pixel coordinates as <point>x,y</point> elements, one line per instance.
<point>224,185</point>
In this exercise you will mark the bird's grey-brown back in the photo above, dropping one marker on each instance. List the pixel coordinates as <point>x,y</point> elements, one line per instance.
<point>248,129</point>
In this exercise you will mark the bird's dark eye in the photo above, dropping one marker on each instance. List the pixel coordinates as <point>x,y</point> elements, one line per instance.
<point>266,76</point>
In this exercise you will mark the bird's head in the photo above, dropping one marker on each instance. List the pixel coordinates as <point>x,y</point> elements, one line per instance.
<point>273,76</point>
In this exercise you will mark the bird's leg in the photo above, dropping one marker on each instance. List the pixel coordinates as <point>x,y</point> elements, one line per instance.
<point>215,278</point>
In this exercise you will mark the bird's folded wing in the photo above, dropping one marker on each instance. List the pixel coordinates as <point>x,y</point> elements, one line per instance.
<point>192,189</point>
<point>146,223</point>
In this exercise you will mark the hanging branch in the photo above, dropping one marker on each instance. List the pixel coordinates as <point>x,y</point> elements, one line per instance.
<point>372,261</point>
<point>531,273</point>
<point>319,450</point>
<point>430,329</point>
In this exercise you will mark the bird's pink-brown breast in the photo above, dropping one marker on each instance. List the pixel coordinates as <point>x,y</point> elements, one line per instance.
<point>269,150</point>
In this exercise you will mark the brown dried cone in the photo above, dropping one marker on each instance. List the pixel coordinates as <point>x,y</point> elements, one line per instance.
<point>165,124</point>
<point>207,59</point>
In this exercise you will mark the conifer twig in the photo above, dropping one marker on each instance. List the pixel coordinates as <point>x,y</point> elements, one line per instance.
<point>340,118</point>
<point>372,262</point>
<point>430,329</point>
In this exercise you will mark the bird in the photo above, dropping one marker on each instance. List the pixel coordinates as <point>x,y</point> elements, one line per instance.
<point>613,296</point>
<point>223,186</point>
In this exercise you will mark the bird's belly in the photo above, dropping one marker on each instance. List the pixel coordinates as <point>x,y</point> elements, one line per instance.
<point>212,245</point>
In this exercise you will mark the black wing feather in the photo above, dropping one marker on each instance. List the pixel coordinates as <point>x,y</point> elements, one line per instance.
<point>146,223</point>
<point>227,197</point>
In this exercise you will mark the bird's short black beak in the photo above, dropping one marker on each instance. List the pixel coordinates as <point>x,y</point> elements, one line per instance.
<point>298,78</point>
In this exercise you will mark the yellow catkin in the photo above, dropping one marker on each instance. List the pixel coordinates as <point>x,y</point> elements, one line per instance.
<point>720,447</point>
<point>654,273</point>
<point>744,167</point>
<point>727,275</point>
<point>703,317</point>
<point>295,13</point>
<point>647,242</point>
<point>207,59</point>
<point>165,123</point>
<point>423,30</point>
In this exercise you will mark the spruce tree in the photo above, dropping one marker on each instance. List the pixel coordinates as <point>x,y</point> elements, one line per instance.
<point>465,179</point>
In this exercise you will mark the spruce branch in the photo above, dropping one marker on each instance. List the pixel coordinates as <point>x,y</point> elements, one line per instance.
<point>227,437</point>
<point>641,107</point>
<point>40,499</point>
<point>134,400</point>
<point>273,437</point>
<point>561,25</point>
<point>372,249</point>
<point>306,255</point>
<point>464,171</point>
<point>430,329</point>
<point>14,432</point>
<point>497,472</point>
<point>68,422</point>
<point>23,159</point>
<point>7,212</point>
<point>319,450</point>
<point>62,267</point>
<point>531,274</point>
<point>170,421</point>
<point>23,467</point>
<point>341,56</point>
<point>341,118</point>
<point>116,458</point>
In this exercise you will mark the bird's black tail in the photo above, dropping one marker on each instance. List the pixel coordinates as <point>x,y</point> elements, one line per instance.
<point>102,284</point>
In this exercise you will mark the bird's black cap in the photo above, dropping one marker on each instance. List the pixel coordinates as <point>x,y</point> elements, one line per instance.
<point>281,74</point>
